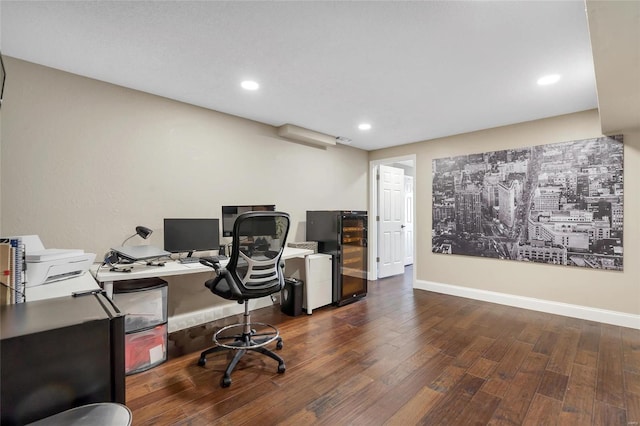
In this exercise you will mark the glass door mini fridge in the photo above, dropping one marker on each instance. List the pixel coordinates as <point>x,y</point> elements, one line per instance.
<point>343,235</point>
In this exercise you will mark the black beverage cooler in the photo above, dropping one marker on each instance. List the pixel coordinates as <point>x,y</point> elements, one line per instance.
<point>343,235</point>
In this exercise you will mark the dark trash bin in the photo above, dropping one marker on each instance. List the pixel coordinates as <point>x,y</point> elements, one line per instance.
<point>291,297</point>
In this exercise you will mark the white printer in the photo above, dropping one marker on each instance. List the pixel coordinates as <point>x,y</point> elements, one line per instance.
<point>45,266</point>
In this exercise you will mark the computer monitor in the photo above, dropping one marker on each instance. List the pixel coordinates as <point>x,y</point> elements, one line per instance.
<point>189,235</point>
<point>230,213</point>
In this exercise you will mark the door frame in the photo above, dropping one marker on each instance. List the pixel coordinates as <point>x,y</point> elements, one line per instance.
<point>413,226</point>
<point>372,232</point>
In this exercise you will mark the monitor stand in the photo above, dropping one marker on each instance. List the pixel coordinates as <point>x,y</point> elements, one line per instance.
<point>189,258</point>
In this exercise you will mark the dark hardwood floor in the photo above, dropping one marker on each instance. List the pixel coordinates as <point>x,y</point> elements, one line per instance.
<point>401,357</point>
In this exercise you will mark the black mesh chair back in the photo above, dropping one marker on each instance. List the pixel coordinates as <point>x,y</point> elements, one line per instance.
<point>255,267</point>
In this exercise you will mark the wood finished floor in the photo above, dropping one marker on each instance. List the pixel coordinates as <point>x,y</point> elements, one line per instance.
<point>401,357</point>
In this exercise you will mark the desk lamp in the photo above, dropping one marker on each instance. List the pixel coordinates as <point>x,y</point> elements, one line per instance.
<point>111,258</point>
<point>142,231</point>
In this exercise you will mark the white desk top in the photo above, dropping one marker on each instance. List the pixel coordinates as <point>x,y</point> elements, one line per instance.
<point>173,268</point>
<point>62,288</point>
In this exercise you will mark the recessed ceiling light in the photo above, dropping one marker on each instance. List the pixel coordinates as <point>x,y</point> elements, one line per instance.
<point>364,126</point>
<point>548,79</point>
<point>250,85</point>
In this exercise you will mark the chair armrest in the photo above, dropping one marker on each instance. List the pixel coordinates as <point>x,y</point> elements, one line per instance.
<point>215,264</point>
<point>221,273</point>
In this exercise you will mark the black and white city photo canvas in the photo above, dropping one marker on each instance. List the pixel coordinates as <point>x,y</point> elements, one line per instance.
<point>558,203</point>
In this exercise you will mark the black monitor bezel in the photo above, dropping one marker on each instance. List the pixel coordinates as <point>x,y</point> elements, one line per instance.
<point>227,226</point>
<point>190,249</point>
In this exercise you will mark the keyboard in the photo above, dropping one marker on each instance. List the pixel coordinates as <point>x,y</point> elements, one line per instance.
<point>190,259</point>
<point>215,259</point>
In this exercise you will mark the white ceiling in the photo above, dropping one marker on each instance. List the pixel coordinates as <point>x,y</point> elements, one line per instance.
<point>414,70</point>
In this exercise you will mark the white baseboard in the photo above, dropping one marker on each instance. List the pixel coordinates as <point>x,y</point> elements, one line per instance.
<point>575,311</point>
<point>216,312</point>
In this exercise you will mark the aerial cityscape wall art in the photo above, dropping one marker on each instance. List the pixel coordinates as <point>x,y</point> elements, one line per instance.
<point>559,203</point>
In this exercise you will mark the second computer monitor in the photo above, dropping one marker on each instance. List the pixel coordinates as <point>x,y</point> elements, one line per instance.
<point>230,213</point>
<point>189,235</point>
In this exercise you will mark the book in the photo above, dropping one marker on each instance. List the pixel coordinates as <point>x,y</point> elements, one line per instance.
<point>6,290</point>
<point>14,275</point>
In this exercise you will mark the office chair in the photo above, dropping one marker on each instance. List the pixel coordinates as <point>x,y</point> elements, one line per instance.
<point>255,270</point>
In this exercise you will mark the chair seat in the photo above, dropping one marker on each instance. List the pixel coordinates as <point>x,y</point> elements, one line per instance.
<point>226,288</point>
<point>101,413</point>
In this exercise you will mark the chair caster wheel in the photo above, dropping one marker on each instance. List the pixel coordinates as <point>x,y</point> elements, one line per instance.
<point>225,382</point>
<point>279,345</point>
<point>202,362</point>
<point>281,368</point>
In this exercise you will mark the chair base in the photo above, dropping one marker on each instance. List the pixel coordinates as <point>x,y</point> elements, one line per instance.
<point>249,340</point>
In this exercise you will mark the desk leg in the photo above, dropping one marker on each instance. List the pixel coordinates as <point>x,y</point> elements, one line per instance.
<point>306,283</point>
<point>107,286</point>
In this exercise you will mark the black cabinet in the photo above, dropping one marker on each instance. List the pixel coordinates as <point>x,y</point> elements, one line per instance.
<point>58,354</point>
<point>343,235</point>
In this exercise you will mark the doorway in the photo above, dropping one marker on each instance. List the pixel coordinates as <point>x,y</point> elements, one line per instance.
<point>391,238</point>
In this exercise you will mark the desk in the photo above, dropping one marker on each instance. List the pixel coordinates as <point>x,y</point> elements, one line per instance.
<point>84,282</point>
<point>174,268</point>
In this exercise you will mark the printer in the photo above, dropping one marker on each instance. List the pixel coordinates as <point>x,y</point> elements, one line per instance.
<point>45,266</point>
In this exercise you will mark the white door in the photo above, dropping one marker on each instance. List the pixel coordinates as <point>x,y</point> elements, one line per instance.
<point>391,219</point>
<point>408,220</point>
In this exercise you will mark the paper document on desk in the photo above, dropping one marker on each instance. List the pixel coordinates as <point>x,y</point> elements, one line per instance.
<point>194,265</point>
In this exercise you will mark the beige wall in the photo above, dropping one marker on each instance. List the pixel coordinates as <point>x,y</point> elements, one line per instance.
<point>84,162</point>
<point>615,291</point>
